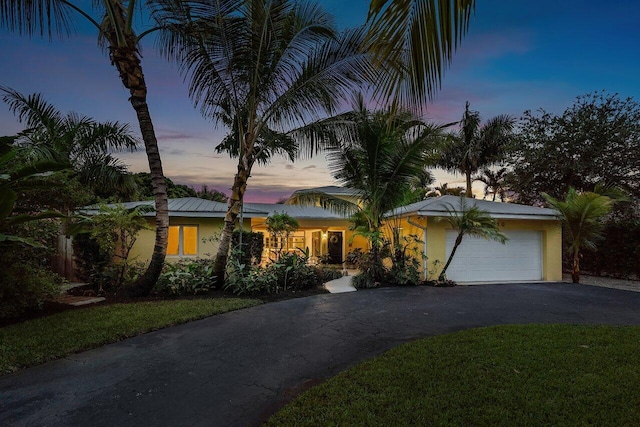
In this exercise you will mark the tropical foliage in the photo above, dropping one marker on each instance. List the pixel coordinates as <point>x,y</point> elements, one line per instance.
<point>494,183</point>
<point>418,38</point>
<point>469,221</point>
<point>73,139</point>
<point>595,140</point>
<point>114,21</point>
<point>582,216</point>
<point>475,146</point>
<point>379,163</point>
<point>266,70</point>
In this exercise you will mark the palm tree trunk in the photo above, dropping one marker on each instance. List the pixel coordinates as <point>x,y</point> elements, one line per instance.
<point>230,219</point>
<point>443,276</point>
<point>469,192</point>
<point>575,270</point>
<point>127,62</point>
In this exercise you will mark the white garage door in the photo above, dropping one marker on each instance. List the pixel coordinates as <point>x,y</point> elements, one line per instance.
<point>481,260</point>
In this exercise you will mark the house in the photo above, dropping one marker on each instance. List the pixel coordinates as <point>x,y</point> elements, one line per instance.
<point>532,253</point>
<point>195,224</point>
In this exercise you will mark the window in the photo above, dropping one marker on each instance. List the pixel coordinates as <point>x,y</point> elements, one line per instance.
<point>183,240</point>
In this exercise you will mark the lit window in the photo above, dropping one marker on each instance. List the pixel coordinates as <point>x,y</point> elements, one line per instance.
<point>183,240</point>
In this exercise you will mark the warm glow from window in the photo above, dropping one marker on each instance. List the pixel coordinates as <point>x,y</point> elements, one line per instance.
<point>183,240</point>
<point>173,247</point>
<point>190,240</point>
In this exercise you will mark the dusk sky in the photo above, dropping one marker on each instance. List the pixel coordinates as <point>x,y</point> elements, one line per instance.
<point>518,55</point>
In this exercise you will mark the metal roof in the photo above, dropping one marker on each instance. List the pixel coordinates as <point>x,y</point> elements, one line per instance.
<point>192,207</point>
<point>296,211</point>
<point>437,206</point>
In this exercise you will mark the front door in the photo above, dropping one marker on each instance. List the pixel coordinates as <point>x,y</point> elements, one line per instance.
<point>334,247</point>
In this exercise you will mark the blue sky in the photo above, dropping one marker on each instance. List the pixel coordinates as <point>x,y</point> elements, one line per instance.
<point>518,55</point>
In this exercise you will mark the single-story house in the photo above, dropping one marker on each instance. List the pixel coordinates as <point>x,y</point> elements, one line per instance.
<point>195,224</point>
<point>532,253</point>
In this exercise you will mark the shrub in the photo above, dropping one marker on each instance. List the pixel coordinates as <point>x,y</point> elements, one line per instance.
<point>26,286</point>
<point>618,254</point>
<point>186,277</point>
<point>252,246</point>
<point>326,274</point>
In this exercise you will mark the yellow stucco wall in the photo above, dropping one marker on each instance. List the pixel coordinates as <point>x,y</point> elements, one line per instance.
<point>207,227</point>
<point>350,241</point>
<point>435,244</point>
<point>551,244</point>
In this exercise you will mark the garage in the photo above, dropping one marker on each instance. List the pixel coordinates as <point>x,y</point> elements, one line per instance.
<point>481,260</point>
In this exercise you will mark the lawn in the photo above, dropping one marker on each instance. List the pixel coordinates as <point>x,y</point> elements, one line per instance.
<point>505,375</point>
<point>51,337</point>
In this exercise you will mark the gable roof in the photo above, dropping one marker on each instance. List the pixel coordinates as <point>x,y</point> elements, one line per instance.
<point>437,206</point>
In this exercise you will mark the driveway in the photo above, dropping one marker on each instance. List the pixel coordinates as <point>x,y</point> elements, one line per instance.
<point>236,368</point>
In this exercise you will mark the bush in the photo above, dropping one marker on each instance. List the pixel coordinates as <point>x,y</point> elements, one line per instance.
<point>618,253</point>
<point>252,245</point>
<point>186,277</point>
<point>326,274</point>
<point>26,286</point>
<point>291,272</point>
<point>90,261</point>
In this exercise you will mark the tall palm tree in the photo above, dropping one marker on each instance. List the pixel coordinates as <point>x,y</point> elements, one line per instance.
<point>69,138</point>
<point>386,151</point>
<point>475,146</point>
<point>419,38</point>
<point>268,71</point>
<point>582,217</point>
<point>494,182</point>
<point>469,221</point>
<point>114,22</point>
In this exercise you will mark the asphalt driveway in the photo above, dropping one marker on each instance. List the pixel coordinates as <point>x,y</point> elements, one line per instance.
<point>236,368</point>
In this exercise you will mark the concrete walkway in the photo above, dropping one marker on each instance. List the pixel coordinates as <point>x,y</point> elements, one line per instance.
<point>341,285</point>
<point>237,368</point>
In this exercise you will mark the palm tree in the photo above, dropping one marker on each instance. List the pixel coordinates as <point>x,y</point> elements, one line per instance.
<point>444,190</point>
<point>115,26</point>
<point>380,163</point>
<point>419,37</point>
<point>72,139</point>
<point>471,221</point>
<point>494,182</point>
<point>581,215</point>
<point>268,71</point>
<point>475,146</point>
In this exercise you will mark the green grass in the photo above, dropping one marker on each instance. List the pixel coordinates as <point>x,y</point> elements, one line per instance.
<point>498,376</point>
<point>51,337</point>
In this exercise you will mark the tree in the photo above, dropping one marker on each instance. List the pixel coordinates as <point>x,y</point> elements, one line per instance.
<point>582,217</point>
<point>144,185</point>
<point>445,190</point>
<point>494,182</point>
<point>73,139</point>
<point>13,181</point>
<point>280,226</point>
<point>380,162</point>
<point>469,221</point>
<point>475,146</point>
<point>418,37</point>
<point>115,26</point>
<point>267,70</point>
<point>595,140</point>
<point>212,194</point>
